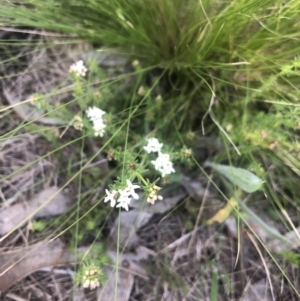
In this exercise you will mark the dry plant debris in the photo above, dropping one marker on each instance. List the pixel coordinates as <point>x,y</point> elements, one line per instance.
<point>182,261</point>
<point>16,264</point>
<point>49,202</point>
<point>22,170</point>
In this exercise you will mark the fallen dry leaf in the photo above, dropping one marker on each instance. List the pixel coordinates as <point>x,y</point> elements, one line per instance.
<point>16,264</point>
<point>123,289</point>
<point>129,265</point>
<point>224,213</point>
<point>277,245</point>
<point>257,291</point>
<point>130,222</point>
<point>28,112</point>
<point>194,188</point>
<point>40,206</point>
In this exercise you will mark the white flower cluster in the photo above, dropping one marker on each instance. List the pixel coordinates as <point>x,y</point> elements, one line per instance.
<point>96,116</point>
<point>78,69</point>
<point>77,123</point>
<point>162,163</point>
<point>90,278</point>
<point>153,194</point>
<point>91,284</point>
<point>122,196</point>
<point>153,146</point>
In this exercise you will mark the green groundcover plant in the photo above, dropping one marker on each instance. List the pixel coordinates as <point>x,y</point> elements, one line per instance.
<point>226,69</point>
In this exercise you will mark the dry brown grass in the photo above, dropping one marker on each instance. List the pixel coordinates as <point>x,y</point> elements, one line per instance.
<point>182,270</point>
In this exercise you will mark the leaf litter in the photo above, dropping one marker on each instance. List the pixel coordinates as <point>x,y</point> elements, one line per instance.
<point>162,258</point>
<point>42,205</point>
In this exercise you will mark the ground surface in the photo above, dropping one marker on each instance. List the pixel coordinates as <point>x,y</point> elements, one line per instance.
<point>188,258</point>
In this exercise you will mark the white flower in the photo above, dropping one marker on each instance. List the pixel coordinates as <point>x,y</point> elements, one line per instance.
<point>77,123</point>
<point>141,91</point>
<point>163,164</point>
<point>94,283</point>
<point>153,194</point>
<point>95,115</point>
<point>123,200</point>
<point>130,189</point>
<point>78,69</point>
<point>158,98</point>
<point>153,146</point>
<point>86,283</point>
<point>90,283</point>
<point>99,129</point>
<point>89,279</point>
<point>110,196</point>
<point>135,63</point>
<point>124,195</point>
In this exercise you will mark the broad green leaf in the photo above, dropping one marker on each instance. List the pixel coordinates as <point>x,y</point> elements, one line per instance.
<point>240,177</point>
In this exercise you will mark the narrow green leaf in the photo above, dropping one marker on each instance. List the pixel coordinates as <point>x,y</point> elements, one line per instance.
<point>214,286</point>
<point>240,177</point>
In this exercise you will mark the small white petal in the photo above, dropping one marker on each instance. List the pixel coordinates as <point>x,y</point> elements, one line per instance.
<point>123,205</point>
<point>135,196</point>
<point>86,284</point>
<point>110,196</point>
<point>131,186</point>
<point>125,193</point>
